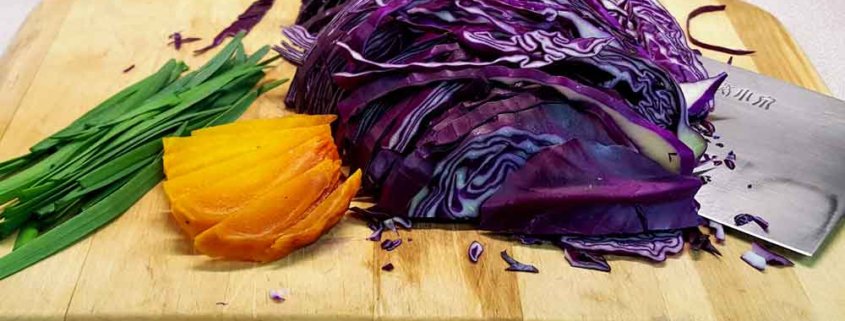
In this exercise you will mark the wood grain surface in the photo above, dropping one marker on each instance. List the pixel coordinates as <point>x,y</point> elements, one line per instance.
<point>70,56</point>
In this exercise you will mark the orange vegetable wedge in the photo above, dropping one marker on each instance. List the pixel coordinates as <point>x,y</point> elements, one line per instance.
<point>201,178</point>
<point>248,233</point>
<point>194,143</point>
<point>196,210</point>
<point>317,222</point>
<point>261,125</point>
<point>180,181</point>
<point>188,155</point>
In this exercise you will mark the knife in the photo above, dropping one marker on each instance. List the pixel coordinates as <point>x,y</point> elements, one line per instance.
<point>789,144</point>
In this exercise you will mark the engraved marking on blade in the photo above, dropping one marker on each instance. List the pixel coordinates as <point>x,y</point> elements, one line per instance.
<point>746,96</point>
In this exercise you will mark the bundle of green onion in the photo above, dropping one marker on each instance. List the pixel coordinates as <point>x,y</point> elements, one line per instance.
<point>89,173</point>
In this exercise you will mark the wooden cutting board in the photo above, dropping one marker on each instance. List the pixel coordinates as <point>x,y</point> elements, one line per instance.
<point>70,55</point>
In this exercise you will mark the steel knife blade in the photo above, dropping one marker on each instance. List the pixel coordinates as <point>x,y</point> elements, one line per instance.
<point>789,144</point>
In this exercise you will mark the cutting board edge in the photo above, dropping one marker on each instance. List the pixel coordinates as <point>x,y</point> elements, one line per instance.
<point>6,56</point>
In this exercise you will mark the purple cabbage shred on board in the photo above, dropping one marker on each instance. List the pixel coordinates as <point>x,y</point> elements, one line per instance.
<point>759,257</point>
<point>387,267</point>
<point>707,9</point>
<point>772,258</point>
<point>245,22</point>
<point>278,296</point>
<point>390,245</point>
<point>515,266</point>
<point>474,251</point>
<point>549,118</point>
<point>586,260</point>
<point>177,40</point>
<point>754,260</point>
<point>389,224</point>
<point>378,222</point>
<point>377,229</point>
<point>745,218</point>
<point>701,242</point>
<point>128,69</point>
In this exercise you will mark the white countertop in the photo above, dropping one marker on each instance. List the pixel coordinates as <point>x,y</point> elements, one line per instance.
<point>12,15</point>
<point>813,23</point>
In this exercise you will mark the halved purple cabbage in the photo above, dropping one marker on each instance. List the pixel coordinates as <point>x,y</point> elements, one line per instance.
<point>550,118</point>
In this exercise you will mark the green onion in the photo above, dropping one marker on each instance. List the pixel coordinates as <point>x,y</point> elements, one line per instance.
<point>84,223</point>
<point>120,167</point>
<point>27,233</point>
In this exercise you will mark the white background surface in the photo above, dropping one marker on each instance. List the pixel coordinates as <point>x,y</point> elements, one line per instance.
<point>815,24</point>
